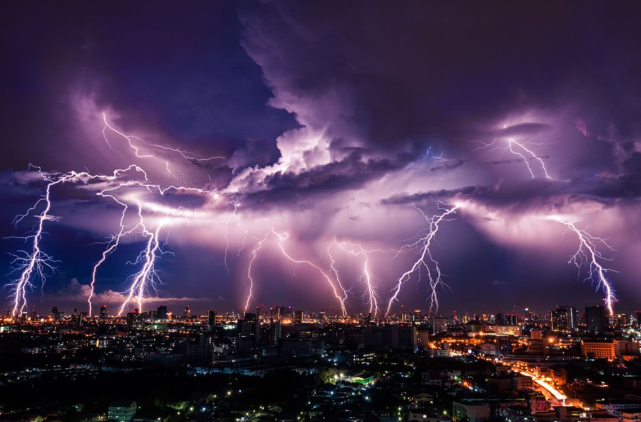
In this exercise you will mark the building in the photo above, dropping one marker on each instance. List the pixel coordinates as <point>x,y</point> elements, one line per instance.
<point>212,318</point>
<point>472,411</point>
<point>524,382</point>
<point>564,318</point>
<point>187,314</point>
<point>599,350</point>
<point>298,317</point>
<point>626,347</point>
<point>103,312</point>
<point>423,339</point>
<point>391,337</point>
<point>595,318</point>
<point>439,325</point>
<point>161,313</point>
<point>122,411</point>
<point>248,333</point>
<point>198,351</point>
<point>630,415</point>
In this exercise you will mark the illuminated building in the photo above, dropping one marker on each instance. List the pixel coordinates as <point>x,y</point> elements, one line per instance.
<point>424,339</point>
<point>472,411</point>
<point>248,333</point>
<point>599,350</point>
<point>298,317</point>
<point>122,410</point>
<point>512,319</point>
<point>595,318</point>
<point>564,318</point>
<point>103,312</point>
<point>187,313</point>
<point>439,325</point>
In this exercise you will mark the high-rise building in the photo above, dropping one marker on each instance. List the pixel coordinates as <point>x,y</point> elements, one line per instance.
<point>54,312</point>
<point>279,313</point>
<point>416,315</point>
<point>439,325</point>
<point>564,318</point>
<point>103,312</point>
<point>248,333</point>
<point>134,319</point>
<point>595,318</point>
<point>512,319</point>
<point>298,317</point>
<point>424,339</point>
<point>212,319</point>
<point>187,313</point>
<point>161,313</point>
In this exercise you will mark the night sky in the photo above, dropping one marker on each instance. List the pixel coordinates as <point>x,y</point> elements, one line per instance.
<point>337,124</point>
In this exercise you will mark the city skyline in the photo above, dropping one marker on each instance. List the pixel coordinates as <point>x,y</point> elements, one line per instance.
<point>273,153</point>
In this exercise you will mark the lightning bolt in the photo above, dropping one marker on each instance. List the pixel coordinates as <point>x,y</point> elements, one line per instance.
<point>425,258</point>
<point>148,275</point>
<point>588,255</point>
<point>356,250</point>
<point>113,243</point>
<point>234,216</point>
<point>131,141</point>
<point>34,264</point>
<point>521,150</point>
<point>282,237</point>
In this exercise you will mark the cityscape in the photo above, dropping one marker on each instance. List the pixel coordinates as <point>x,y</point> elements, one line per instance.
<point>284,364</point>
<point>329,210</point>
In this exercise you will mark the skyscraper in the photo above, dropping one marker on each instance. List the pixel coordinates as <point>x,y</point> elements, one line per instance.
<point>564,318</point>
<point>212,319</point>
<point>103,312</point>
<point>595,318</point>
<point>161,312</point>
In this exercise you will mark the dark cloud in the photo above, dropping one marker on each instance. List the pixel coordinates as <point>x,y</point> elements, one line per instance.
<point>309,100</point>
<point>452,73</point>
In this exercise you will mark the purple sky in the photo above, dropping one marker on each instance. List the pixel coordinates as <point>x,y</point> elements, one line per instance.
<point>338,123</point>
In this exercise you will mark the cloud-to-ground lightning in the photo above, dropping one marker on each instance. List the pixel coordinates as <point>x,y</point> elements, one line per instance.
<point>147,276</point>
<point>282,237</point>
<point>234,216</point>
<point>356,250</point>
<point>33,264</point>
<point>588,255</point>
<point>425,258</point>
<point>520,149</point>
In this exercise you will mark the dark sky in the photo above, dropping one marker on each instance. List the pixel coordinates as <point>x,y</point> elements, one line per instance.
<point>336,124</point>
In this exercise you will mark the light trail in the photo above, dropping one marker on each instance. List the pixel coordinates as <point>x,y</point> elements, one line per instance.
<point>588,255</point>
<point>425,258</point>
